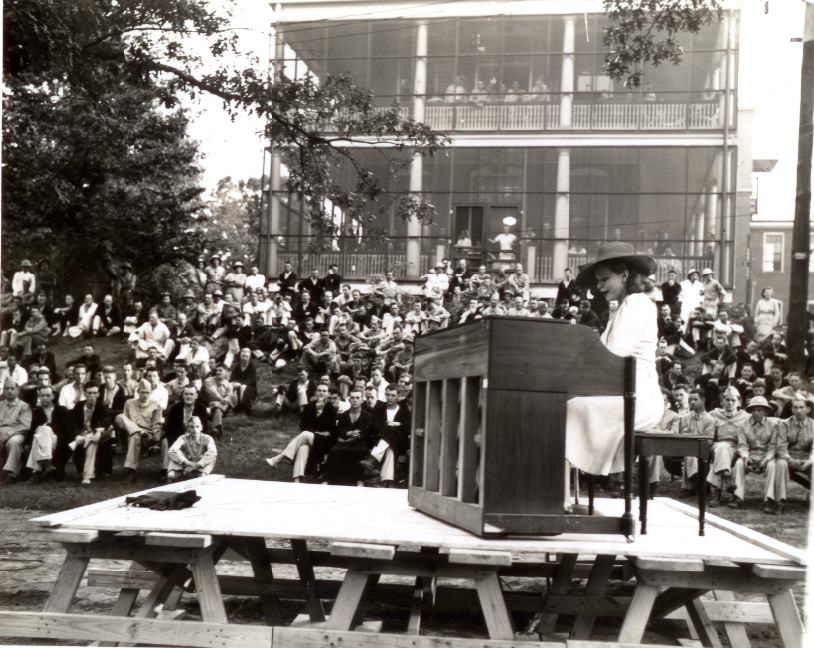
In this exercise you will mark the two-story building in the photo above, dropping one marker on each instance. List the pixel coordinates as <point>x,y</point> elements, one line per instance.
<point>545,148</point>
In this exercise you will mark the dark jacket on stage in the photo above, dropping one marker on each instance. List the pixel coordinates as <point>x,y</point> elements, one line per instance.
<point>174,422</point>
<point>342,460</point>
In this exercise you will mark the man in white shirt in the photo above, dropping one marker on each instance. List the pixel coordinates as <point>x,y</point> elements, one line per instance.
<point>153,333</point>
<point>255,281</point>
<point>74,392</point>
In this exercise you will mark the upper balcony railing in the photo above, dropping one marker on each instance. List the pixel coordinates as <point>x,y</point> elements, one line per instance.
<point>589,112</point>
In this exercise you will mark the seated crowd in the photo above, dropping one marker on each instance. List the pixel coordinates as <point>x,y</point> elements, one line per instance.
<point>193,361</point>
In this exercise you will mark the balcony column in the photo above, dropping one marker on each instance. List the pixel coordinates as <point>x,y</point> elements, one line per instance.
<point>713,231</point>
<point>567,75</point>
<point>413,269</point>
<point>271,265</point>
<point>562,213</point>
<point>698,224</point>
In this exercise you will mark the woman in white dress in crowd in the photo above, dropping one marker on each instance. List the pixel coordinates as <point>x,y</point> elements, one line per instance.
<point>595,424</point>
<point>768,314</point>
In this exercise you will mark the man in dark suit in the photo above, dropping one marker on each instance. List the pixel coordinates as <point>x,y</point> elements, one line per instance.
<point>392,426</point>
<point>332,281</point>
<point>244,380</point>
<point>307,308</point>
<point>297,394</point>
<point>287,280</point>
<point>91,361</point>
<point>111,402</point>
<point>318,433</point>
<point>567,290</point>
<point>44,358</point>
<point>90,426</point>
<point>314,286</point>
<point>49,437</point>
<point>354,431</point>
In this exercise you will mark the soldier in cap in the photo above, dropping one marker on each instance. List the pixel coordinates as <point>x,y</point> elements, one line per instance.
<point>713,292</point>
<point>793,452</point>
<point>729,424</point>
<point>756,448</point>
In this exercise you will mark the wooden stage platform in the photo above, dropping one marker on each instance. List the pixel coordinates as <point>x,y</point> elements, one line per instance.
<point>372,533</point>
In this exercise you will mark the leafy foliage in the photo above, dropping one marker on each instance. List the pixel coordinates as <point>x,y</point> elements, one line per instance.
<point>644,31</point>
<point>95,142</point>
<point>233,221</point>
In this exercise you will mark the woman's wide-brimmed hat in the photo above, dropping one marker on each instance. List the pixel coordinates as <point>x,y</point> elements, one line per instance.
<point>615,251</point>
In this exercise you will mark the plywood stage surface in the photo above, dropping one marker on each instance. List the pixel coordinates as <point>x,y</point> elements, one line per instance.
<point>268,509</point>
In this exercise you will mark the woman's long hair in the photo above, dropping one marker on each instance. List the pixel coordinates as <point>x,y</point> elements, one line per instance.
<point>635,279</point>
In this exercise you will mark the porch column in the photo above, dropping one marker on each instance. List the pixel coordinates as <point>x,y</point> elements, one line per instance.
<point>713,226</point>
<point>271,266</point>
<point>698,224</point>
<point>413,269</point>
<point>562,217</point>
<point>567,74</point>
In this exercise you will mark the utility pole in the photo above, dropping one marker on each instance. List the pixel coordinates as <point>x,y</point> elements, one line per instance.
<point>801,235</point>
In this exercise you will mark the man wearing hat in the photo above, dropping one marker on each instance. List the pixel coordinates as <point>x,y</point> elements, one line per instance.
<point>15,422</point>
<point>691,292</point>
<point>234,282</point>
<point>214,274</point>
<point>793,451</point>
<point>729,422</point>
<point>756,448</point>
<point>713,292</point>
<point>189,306</point>
<point>24,283</point>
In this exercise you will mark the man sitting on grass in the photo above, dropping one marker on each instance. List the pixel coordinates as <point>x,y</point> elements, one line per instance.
<point>193,454</point>
<point>15,422</point>
<point>141,422</point>
<point>307,450</point>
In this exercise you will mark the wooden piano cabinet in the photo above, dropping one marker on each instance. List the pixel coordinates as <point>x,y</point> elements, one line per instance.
<point>488,438</point>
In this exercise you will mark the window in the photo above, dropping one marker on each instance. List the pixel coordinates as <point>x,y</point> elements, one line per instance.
<point>772,252</point>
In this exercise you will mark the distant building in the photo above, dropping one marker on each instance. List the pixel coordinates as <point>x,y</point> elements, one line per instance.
<point>770,258</point>
<point>542,141</point>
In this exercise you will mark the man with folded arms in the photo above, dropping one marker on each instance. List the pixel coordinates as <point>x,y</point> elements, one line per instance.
<point>141,421</point>
<point>15,422</point>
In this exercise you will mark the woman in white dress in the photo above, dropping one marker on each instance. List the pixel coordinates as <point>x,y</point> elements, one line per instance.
<point>768,314</point>
<point>595,424</point>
